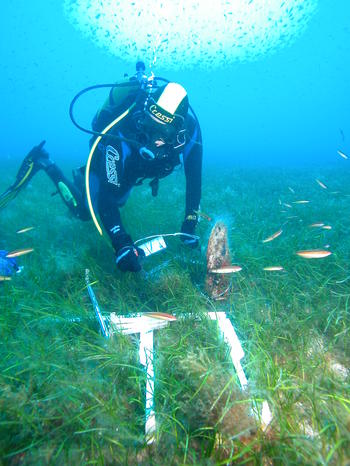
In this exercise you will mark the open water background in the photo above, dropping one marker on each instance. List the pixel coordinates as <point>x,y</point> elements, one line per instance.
<point>288,109</point>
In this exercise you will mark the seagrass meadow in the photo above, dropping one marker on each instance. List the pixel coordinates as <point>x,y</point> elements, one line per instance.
<point>70,396</point>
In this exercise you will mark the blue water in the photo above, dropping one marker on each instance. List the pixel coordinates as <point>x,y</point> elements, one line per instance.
<point>291,108</point>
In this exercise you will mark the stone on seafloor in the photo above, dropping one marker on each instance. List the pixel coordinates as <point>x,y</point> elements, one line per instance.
<point>218,255</point>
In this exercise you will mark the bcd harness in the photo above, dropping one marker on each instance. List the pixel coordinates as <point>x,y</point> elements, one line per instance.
<point>165,168</point>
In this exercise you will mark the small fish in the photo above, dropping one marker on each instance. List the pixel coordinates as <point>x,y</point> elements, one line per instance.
<point>342,154</point>
<point>273,268</point>
<point>321,184</point>
<point>226,269</point>
<point>4,278</point>
<point>24,230</point>
<point>203,215</point>
<point>326,227</point>
<point>301,202</point>
<point>287,205</point>
<point>291,190</point>
<point>316,225</point>
<point>314,253</point>
<point>19,252</point>
<point>161,316</point>
<point>272,237</point>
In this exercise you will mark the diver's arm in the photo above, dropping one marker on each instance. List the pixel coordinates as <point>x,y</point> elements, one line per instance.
<point>193,172</point>
<point>127,255</point>
<point>113,191</point>
<point>111,219</point>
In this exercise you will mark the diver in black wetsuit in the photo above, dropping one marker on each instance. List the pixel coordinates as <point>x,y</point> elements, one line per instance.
<point>148,131</point>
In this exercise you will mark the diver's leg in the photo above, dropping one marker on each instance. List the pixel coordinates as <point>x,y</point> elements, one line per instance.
<point>38,159</point>
<point>72,194</point>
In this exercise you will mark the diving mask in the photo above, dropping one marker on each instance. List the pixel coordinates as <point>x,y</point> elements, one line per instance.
<point>160,132</point>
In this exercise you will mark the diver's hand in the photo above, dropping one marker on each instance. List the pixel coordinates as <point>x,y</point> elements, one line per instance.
<point>188,227</point>
<point>128,258</point>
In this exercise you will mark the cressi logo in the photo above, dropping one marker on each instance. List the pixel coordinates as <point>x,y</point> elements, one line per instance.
<point>154,110</point>
<point>112,157</point>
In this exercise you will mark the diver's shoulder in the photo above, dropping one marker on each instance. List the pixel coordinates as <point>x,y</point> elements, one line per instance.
<point>192,124</point>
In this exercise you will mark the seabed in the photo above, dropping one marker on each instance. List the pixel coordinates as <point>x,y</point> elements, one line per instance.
<point>71,396</point>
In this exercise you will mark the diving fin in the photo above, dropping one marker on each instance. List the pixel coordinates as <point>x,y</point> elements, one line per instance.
<point>36,159</point>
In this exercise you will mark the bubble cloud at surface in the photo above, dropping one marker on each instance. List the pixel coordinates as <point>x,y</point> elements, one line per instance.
<point>191,33</point>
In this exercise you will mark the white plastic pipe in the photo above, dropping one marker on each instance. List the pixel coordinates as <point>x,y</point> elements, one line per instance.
<point>231,338</point>
<point>95,305</point>
<point>237,353</point>
<point>146,359</point>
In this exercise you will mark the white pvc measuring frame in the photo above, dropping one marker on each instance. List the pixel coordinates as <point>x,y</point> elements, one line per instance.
<point>146,325</point>
<point>230,337</point>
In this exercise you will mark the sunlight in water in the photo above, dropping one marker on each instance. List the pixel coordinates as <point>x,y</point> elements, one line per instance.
<point>191,33</point>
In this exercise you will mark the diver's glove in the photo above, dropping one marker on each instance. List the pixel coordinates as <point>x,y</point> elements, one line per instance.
<point>128,259</point>
<point>189,227</point>
<point>128,256</point>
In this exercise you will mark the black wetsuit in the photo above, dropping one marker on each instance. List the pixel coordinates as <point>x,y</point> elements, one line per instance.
<point>117,166</point>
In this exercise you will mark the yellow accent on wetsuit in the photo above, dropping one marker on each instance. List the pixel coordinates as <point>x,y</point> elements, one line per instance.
<point>88,164</point>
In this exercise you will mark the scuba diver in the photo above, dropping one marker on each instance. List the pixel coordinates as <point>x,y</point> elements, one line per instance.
<point>143,130</point>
